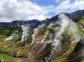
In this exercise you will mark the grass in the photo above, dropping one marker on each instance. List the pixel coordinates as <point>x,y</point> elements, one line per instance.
<point>9,58</point>
<point>9,49</point>
<point>8,31</point>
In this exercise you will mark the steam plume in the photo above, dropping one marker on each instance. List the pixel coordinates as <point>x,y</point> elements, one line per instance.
<point>25,33</point>
<point>64,22</point>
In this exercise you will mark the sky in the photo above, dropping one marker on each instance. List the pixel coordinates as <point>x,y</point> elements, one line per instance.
<point>11,10</point>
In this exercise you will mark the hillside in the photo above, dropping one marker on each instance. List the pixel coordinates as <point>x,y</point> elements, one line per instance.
<point>58,39</point>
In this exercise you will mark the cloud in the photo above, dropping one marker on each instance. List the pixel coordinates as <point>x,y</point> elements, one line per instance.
<point>22,10</point>
<point>59,0</point>
<point>66,6</point>
<point>27,10</point>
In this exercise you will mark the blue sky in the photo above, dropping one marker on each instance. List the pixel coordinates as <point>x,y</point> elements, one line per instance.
<point>49,2</point>
<point>45,2</point>
<point>36,9</point>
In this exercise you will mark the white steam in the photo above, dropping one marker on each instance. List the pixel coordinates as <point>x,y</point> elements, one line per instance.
<point>74,29</point>
<point>50,25</point>
<point>36,30</point>
<point>9,38</point>
<point>64,22</point>
<point>25,33</point>
<point>12,37</point>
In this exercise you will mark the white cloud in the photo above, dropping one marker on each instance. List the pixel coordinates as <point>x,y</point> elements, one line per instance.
<point>26,10</point>
<point>22,10</point>
<point>66,6</point>
<point>59,0</point>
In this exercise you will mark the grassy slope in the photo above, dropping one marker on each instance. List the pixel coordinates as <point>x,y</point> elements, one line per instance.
<point>6,47</point>
<point>7,58</point>
<point>11,47</point>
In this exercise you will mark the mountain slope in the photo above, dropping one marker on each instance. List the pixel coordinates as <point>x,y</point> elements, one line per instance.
<point>58,39</point>
<point>18,23</point>
<point>60,44</point>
